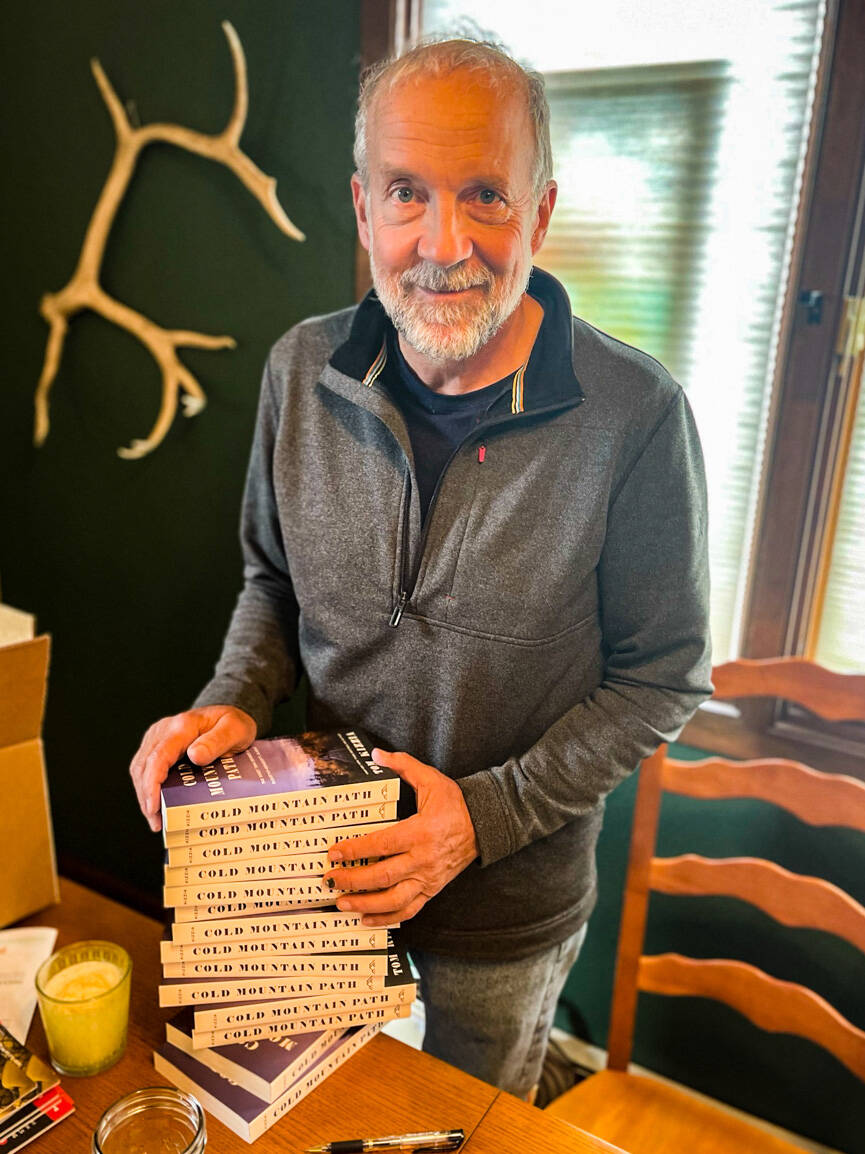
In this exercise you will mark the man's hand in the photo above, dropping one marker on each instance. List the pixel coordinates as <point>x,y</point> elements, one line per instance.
<point>203,734</point>
<point>419,855</point>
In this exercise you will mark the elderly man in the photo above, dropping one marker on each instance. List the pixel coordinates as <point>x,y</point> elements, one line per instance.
<point>478,525</point>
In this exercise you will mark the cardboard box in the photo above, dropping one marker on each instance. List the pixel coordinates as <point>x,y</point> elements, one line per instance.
<point>29,867</point>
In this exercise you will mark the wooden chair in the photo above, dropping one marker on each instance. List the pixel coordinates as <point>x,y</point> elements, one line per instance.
<point>647,1116</point>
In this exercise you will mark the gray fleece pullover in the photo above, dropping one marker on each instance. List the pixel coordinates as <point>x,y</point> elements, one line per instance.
<point>552,611</point>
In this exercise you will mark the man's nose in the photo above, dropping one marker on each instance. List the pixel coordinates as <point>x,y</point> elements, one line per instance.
<point>444,239</point>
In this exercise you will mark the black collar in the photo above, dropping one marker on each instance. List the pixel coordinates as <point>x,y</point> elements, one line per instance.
<point>549,377</point>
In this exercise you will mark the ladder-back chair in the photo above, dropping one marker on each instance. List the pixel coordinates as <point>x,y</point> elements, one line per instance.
<point>648,1116</point>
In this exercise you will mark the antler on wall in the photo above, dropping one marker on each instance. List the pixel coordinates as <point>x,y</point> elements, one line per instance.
<point>84,290</point>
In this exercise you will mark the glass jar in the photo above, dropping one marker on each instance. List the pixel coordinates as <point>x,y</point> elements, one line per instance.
<point>157,1120</point>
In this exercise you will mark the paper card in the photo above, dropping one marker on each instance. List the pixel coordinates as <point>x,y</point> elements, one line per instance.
<point>22,952</point>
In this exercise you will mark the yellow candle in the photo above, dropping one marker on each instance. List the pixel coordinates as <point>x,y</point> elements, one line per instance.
<point>83,995</point>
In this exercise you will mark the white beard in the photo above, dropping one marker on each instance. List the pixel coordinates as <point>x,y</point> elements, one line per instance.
<point>448,330</point>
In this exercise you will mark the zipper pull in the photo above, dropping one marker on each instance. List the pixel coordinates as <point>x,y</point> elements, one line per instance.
<point>482,452</point>
<point>396,616</point>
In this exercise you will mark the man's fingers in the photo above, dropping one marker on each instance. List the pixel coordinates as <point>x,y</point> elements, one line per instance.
<point>409,768</point>
<point>226,736</point>
<point>382,843</point>
<point>394,917</point>
<point>382,901</point>
<point>380,875</point>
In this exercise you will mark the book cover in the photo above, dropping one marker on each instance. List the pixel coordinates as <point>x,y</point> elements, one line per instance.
<point>267,1068</point>
<point>311,923</point>
<point>273,778</point>
<point>292,825</point>
<point>347,941</point>
<point>23,1075</point>
<point>254,869</point>
<point>299,894</point>
<point>309,976</point>
<point>22,1126</point>
<point>248,1116</point>
<point>322,963</point>
<point>270,845</point>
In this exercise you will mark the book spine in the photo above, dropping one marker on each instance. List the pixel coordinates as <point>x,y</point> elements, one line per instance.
<point>267,870</point>
<point>222,910</point>
<point>314,965</point>
<point>299,825</point>
<point>250,990</point>
<point>268,926</point>
<point>312,1005</point>
<point>343,942</point>
<point>216,1060</point>
<point>277,1030</point>
<point>309,892</point>
<point>348,796</point>
<point>304,845</point>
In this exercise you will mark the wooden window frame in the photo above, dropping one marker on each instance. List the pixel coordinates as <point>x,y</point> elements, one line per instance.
<point>798,503</point>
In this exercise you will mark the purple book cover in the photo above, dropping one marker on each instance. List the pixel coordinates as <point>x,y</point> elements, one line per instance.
<point>321,767</point>
<point>246,1114</point>
<point>264,1068</point>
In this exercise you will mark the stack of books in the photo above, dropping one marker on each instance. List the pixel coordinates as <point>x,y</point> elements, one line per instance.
<point>276,987</point>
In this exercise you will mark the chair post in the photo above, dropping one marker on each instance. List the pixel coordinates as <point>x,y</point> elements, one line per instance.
<point>634,910</point>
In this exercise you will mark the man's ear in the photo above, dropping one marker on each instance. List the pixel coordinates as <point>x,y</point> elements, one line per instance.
<point>358,196</point>
<point>545,210</point>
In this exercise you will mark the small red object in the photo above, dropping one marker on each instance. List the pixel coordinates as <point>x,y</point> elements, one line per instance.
<point>482,452</point>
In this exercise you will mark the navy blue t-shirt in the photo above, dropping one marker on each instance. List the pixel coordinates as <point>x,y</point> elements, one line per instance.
<point>437,423</point>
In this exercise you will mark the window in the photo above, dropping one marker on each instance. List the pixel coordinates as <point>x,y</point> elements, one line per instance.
<point>709,155</point>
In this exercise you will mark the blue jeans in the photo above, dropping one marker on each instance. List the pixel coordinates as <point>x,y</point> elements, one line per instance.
<point>493,1019</point>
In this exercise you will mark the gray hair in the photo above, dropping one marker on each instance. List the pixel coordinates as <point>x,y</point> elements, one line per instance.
<point>437,57</point>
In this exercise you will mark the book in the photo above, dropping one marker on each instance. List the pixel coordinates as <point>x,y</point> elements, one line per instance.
<point>325,922</point>
<point>278,1030</point>
<point>311,975</point>
<point>254,869</point>
<point>286,775</point>
<point>309,1003</point>
<point>23,1075</point>
<point>40,1114</point>
<point>273,845</point>
<point>214,910</point>
<point>303,893</point>
<point>348,941</point>
<point>267,1068</point>
<point>353,962</point>
<point>293,825</point>
<point>244,1113</point>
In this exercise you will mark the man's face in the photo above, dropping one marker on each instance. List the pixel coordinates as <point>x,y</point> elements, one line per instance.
<point>448,217</point>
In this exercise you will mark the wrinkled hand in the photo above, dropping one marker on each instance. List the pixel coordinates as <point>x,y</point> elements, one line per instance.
<point>419,855</point>
<point>203,734</point>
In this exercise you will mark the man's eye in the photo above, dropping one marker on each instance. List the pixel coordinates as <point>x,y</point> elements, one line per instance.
<point>404,194</point>
<point>488,196</point>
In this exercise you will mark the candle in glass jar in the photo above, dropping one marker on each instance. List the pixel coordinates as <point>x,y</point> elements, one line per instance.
<point>84,1002</point>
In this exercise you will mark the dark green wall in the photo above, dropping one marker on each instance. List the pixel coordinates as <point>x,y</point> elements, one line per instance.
<point>133,566</point>
<point>706,1045</point>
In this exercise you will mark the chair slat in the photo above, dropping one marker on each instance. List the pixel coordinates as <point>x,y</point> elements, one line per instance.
<point>816,798</point>
<point>771,1004</point>
<point>791,899</point>
<point>835,696</point>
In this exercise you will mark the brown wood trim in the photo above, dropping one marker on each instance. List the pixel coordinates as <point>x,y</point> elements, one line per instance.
<point>634,911</point>
<point>791,899</point>
<point>818,799</point>
<point>804,367</point>
<point>771,1004</point>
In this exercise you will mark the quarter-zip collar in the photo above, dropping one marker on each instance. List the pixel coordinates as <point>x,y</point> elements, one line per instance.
<point>547,380</point>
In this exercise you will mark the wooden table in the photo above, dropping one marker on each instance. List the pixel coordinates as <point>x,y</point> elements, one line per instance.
<point>386,1088</point>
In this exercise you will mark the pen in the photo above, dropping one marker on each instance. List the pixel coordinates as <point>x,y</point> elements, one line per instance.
<point>428,1140</point>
